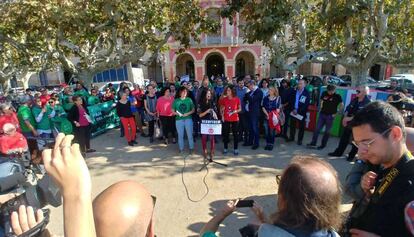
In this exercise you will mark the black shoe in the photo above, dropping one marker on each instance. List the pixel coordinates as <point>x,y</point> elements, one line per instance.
<point>311,145</point>
<point>299,143</point>
<point>135,142</point>
<point>270,148</point>
<point>131,143</point>
<point>289,139</point>
<point>151,139</point>
<point>334,154</point>
<point>266,147</point>
<point>90,150</point>
<point>320,147</point>
<point>350,158</point>
<point>254,147</point>
<point>121,136</point>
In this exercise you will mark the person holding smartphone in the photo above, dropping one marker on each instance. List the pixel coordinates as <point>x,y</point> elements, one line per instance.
<point>230,108</point>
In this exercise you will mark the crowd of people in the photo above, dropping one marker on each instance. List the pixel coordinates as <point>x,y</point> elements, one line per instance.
<point>309,191</point>
<point>309,195</point>
<point>248,108</point>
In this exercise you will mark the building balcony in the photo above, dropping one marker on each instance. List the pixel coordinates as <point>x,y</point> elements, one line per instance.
<point>216,40</point>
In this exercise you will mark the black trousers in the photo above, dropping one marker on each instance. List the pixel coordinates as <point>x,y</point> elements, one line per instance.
<point>151,125</point>
<point>243,127</point>
<point>343,143</point>
<point>168,125</point>
<point>287,120</point>
<point>83,137</point>
<point>234,128</point>
<point>301,128</point>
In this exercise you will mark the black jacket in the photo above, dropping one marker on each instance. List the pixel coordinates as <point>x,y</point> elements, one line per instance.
<point>73,114</point>
<point>255,102</point>
<point>385,216</point>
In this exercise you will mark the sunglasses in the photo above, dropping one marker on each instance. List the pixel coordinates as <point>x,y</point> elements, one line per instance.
<point>51,102</point>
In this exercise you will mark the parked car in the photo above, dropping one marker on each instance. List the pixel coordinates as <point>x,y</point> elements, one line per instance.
<point>115,85</point>
<point>317,80</point>
<point>409,77</point>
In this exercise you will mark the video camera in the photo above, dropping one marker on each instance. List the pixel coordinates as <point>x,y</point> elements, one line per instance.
<point>30,185</point>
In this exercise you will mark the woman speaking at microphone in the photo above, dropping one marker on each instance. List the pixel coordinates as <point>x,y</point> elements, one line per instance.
<point>207,110</point>
<point>230,107</point>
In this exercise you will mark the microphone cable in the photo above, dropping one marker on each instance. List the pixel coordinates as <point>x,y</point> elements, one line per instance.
<point>185,186</point>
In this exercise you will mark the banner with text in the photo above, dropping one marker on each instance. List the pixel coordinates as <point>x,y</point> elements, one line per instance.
<point>103,117</point>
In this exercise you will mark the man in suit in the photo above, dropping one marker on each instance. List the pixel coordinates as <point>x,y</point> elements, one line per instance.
<point>253,104</point>
<point>300,101</point>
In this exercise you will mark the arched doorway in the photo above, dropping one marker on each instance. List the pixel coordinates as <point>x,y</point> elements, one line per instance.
<point>245,64</point>
<point>214,65</point>
<point>155,71</point>
<point>185,65</point>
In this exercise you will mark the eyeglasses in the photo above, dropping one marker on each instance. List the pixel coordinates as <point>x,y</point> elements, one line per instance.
<point>367,144</point>
<point>51,102</point>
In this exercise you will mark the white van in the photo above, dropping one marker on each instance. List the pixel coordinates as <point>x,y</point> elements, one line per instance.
<point>404,77</point>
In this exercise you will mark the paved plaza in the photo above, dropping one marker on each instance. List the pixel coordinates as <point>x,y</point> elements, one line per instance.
<point>160,168</point>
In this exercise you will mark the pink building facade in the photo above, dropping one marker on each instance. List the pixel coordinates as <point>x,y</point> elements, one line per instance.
<point>223,53</point>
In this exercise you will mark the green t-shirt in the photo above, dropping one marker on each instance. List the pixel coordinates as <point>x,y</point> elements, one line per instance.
<point>66,104</point>
<point>24,113</point>
<point>59,114</point>
<point>82,93</point>
<point>44,123</point>
<point>183,106</point>
<point>209,234</point>
<point>93,100</point>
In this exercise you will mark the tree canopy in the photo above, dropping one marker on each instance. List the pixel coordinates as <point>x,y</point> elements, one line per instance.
<point>98,34</point>
<point>353,33</point>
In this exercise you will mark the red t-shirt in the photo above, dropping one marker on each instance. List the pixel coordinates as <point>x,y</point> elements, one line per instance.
<point>11,143</point>
<point>12,118</point>
<point>44,99</point>
<point>230,105</point>
<point>139,96</point>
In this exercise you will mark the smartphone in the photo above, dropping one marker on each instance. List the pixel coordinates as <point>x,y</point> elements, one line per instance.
<point>245,203</point>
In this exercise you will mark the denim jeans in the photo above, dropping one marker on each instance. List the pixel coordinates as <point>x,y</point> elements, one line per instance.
<point>187,125</point>
<point>323,120</point>
<point>269,133</point>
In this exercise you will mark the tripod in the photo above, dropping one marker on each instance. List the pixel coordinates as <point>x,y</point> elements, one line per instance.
<point>209,161</point>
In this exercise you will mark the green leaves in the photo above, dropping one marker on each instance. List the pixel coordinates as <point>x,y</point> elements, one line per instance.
<point>100,33</point>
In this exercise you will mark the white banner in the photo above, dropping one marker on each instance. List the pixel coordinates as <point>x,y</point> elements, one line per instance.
<point>211,127</point>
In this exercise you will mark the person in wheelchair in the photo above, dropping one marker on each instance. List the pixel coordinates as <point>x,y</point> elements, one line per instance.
<point>11,141</point>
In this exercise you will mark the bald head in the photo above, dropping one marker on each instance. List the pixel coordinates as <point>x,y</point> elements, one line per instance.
<point>309,192</point>
<point>123,210</point>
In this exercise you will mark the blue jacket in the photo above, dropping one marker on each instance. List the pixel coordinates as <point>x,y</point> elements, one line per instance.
<point>255,102</point>
<point>304,100</point>
<point>241,93</point>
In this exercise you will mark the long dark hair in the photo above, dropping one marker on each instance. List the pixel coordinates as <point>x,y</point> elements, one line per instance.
<point>305,201</point>
<point>203,98</point>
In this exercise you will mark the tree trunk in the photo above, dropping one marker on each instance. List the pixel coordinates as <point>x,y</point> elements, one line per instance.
<point>86,77</point>
<point>5,85</point>
<point>359,76</point>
